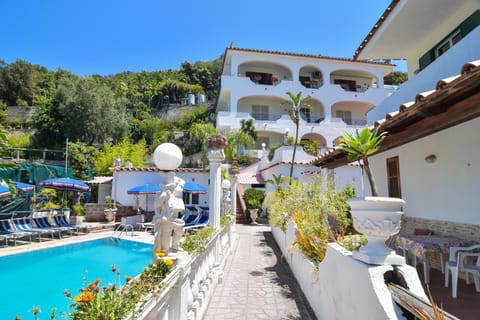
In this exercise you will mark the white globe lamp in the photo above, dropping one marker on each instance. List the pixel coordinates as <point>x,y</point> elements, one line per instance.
<point>167,156</point>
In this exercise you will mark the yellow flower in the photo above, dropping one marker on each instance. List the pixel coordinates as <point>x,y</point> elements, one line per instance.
<point>168,262</point>
<point>160,253</point>
<point>78,298</point>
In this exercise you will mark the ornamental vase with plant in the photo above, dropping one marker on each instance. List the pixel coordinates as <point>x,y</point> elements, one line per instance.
<point>376,217</point>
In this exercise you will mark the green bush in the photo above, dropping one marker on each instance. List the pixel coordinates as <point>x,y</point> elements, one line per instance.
<point>254,198</point>
<point>319,212</point>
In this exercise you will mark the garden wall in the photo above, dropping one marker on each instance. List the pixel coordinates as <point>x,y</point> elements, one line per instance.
<point>342,287</point>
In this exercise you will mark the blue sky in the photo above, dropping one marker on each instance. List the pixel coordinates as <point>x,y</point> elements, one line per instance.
<point>110,36</point>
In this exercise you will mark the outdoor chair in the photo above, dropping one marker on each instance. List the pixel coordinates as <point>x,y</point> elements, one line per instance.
<point>9,234</point>
<point>24,224</point>
<point>61,221</point>
<point>200,223</point>
<point>458,262</point>
<point>43,223</point>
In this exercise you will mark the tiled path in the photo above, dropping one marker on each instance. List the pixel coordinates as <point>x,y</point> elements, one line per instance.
<point>257,283</point>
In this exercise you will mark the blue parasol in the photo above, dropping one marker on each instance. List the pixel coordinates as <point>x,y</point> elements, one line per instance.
<point>193,187</point>
<point>65,184</point>
<point>4,191</point>
<point>24,186</point>
<point>145,189</point>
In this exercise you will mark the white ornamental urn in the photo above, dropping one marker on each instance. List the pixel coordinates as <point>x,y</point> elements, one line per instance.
<point>377,218</point>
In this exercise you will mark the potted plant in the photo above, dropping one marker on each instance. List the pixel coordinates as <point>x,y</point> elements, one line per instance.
<point>253,200</point>
<point>78,215</point>
<point>376,217</point>
<point>111,211</point>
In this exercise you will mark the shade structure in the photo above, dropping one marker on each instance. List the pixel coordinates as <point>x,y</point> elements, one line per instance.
<point>24,186</point>
<point>145,189</point>
<point>192,187</point>
<point>4,191</point>
<point>65,184</point>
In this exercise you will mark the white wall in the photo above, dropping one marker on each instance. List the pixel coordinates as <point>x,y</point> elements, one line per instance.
<point>124,180</point>
<point>447,65</point>
<point>342,287</point>
<point>351,175</point>
<point>445,190</point>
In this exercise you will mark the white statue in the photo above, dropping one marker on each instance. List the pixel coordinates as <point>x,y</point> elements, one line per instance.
<point>166,221</point>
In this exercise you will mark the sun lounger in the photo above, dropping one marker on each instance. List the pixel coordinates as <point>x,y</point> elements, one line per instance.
<point>43,223</point>
<point>9,234</point>
<point>24,224</point>
<point>200,223</point>
<point>61,221</point>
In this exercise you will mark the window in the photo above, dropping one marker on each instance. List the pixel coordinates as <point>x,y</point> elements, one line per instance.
<point>345,115</point>
<point>305,114</point>
<point>260,112</point>
<point>393,176</point>
<point>448,43</point>
<point>195,198</point>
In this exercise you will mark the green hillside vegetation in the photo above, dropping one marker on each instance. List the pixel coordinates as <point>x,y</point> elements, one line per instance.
<point>97,113</point>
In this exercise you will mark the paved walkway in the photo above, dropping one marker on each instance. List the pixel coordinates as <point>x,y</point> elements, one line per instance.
<point>257,283</point>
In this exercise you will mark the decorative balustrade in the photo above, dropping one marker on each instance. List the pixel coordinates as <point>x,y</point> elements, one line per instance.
<point>189,287</point>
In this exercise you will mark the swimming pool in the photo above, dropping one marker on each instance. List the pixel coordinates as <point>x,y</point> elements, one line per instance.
<point>39,278</point>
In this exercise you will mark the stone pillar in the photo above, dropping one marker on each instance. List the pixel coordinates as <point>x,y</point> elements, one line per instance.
<point>215,145</point>
<point>234,171</point>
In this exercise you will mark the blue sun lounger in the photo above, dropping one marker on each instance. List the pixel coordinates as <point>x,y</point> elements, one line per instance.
<point>61,221</point>
<point>8,233</point>
<point>202,221</point>
<point>24,224</point>
<point>43,223</point>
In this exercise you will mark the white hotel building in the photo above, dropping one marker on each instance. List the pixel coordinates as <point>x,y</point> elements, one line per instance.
<point>254,84</point>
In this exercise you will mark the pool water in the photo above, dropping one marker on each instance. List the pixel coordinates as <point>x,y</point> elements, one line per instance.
<point>39,278</point>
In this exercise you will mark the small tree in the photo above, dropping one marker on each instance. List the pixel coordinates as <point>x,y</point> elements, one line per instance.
<point>359,146</point>
<point>296,104</point>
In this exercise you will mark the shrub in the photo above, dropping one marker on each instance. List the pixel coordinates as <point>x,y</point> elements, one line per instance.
<point>319,212</point>
<point>114,301</point>
<point>254,198</point>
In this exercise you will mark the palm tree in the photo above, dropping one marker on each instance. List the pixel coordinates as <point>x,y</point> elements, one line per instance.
<point>359,146</point>
<point>237,139</point>
<point>277,181</point>
<point>296,104</point>
<point>247,126</point>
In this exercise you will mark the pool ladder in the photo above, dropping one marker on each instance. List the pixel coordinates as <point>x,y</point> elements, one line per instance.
<point>121,229</point>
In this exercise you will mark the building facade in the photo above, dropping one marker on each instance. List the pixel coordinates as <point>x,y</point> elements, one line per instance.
<point>254,84</point>
<point>434,48</point>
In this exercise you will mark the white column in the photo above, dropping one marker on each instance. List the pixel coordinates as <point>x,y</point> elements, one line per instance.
<point>215,156</point>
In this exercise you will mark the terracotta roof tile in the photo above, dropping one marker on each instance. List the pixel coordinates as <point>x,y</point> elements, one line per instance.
<point>154,169</point>
<point>318,56</point>
<point>408,112</point>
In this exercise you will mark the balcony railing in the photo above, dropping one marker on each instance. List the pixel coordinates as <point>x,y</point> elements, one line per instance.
<point>350,121</point>
<point>189,287</point>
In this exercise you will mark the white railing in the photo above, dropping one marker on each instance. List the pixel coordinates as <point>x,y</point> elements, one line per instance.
<point>190,286</point>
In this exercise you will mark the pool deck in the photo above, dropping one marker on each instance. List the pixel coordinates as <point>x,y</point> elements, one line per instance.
<point>97,231</point>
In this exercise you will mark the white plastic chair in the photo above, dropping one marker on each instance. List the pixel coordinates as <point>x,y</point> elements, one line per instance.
<point>456,263</point>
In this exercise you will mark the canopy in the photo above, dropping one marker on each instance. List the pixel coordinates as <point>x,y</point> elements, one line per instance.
<point>65,184</point>
<point>145,189</point>
<point>24,186</point>
<point>4,191</point>
<point>193,187</point>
